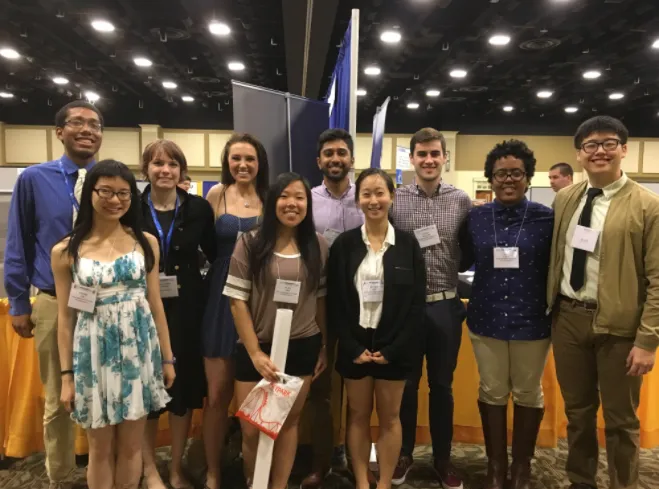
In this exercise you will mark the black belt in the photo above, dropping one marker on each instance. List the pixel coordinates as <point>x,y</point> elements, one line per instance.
<point>588,306</point>
<point>48,292</point>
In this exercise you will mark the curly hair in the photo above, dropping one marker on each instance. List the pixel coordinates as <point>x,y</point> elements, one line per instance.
<point>512,147</point>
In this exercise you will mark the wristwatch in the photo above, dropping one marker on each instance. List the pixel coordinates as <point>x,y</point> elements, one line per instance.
<point>169,362</point>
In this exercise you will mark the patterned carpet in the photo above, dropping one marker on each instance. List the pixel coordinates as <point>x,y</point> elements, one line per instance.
<point>470,460</point>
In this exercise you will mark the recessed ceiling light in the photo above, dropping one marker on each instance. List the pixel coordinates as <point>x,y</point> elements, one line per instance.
<point>9,53</point>
<point>103,25</point>
<point>655,44</point>
<point>187,98</point>
<point>92,96</point>
<point>413,105</point>
<point>499,40</point>
<point>219,28</point>
<point>545,94</point>
<point>592,74</point>
<point>236,66</point>
<point>458,73</point>
<point>169,85</point>
<point>433,93</point>
<point>616,95</point>
<point>6,95</point>
<point>571,110</point>
<point>142,62</point>
<point>60,80</point>
<point>360,92</point>
<point>508,108</point>
<point>391,37</point>
<point>372,71</point>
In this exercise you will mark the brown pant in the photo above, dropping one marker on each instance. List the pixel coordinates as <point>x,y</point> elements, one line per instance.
<point>591,367</point>
<point>58,429</point>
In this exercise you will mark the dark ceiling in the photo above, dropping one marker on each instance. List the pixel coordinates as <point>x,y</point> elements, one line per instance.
<point>552,43</point>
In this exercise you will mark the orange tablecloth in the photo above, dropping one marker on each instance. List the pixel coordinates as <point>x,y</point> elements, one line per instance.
<point>21,400</point>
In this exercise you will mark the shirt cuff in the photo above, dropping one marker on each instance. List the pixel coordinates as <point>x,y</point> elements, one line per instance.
<point>20,307</point>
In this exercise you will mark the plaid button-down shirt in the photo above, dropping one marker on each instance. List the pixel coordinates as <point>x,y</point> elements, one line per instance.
<point>447,208</point>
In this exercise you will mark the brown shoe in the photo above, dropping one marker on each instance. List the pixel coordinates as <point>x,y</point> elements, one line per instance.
<point>402,468</point>
<point>313,481</point>
<point>495,427</point>
<point>525,434</point>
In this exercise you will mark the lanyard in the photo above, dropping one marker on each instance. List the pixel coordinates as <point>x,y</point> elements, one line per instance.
<point>496,241</point>
<point>165,241</point>
<point>72,196</point>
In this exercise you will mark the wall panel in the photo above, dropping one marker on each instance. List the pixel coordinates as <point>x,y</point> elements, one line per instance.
<point>25,145</point>
<point>192,144</point>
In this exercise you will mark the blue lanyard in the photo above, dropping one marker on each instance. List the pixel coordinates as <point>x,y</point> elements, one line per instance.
<point>165,241</point>
<point>72,196</point>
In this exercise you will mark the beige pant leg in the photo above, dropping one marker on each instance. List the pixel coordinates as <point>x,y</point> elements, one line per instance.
<point>493,360</point>
<point>527,365</point>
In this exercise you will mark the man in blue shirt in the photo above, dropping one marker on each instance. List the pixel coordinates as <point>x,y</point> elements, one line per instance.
<point>41,213</point>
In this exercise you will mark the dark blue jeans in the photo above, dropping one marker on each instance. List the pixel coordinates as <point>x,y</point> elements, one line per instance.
<point>443,332</point>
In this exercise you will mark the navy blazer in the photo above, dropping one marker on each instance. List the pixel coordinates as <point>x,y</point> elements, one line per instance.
<point>398,335</point>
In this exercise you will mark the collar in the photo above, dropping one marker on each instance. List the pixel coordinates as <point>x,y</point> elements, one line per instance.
<point>331,195</point>
<point>70,167</point>
<point>613,188</point>
<point>520,206</point>
<point>389,238</point>
<point>182,195</point>
<point>438,190</point>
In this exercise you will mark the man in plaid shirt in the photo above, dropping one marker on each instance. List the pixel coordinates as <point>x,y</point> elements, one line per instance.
<point>436,213</point>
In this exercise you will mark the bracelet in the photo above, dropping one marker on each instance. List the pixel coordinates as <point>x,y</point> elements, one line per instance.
<point>169,362</point>
<point>67,372</point>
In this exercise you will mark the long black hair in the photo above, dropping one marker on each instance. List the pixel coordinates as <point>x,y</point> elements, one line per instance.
<point>261,245</point>
<point>263,175</point>
<point>132,219</point>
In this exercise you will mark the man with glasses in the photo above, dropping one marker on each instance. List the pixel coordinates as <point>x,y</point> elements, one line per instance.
<point>603,290</point>
<point>435,212</point>
<point>43,208</point>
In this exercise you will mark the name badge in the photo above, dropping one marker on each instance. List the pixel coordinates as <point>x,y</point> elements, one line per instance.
<point>287,291</point>
<point>427,236</point>
<point>82,298</point>
<point>331,235</point>
<point>506,257</point>
<point>168,286</point>
<point>585,238</point>
<point>373,290</point>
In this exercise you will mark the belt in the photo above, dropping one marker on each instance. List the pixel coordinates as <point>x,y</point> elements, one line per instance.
<point>588,306</point>
<point>48,292</point>
<point>443,295</point>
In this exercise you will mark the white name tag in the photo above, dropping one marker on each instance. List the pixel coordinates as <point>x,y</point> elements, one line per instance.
<point>373,290</point>
<point>168,286</point>
<point>287,291</point>
<point>82,298</point>
<point>585,238</point>
<point>506,257</point>
<point>331,235</point>
<point>427,236</point>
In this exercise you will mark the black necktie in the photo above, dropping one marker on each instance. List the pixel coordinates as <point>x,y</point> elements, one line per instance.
<point>578,273</point>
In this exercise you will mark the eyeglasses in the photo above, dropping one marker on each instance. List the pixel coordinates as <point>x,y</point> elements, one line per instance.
<point>107,194</point>
<point>515,175</point>
<point>93,125</point>
<point>607,145</point>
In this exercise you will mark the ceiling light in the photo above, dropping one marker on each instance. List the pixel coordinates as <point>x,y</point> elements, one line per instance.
<point>360,92</point>
<point>103,26</point>
<point>169,85</point>
<point>60,80</point>
<point>545,94</point>
<point>508,108</point>
<point>142,62</point>
<point>219,28</point>
<point>433,93</point>
<point>372,71</point>
<point>413,105</point>
<point>571,110</point>
<point>187,98</point>
<point>236,66</point>
<point>655,44</point>
<point>9,53</point>
<point>6,95</point>
<point>616,95</point>
<point>92,96</point>
<point>499,40</point>
<point>592,75</point>
<point>458,73</point>
<point>390,37</point>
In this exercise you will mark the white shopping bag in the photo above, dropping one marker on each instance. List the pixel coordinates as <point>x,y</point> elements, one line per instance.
<point>268,404</point>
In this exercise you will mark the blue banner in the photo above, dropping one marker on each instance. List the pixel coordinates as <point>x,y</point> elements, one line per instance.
<point>338,94</point>
<point>378,133</point>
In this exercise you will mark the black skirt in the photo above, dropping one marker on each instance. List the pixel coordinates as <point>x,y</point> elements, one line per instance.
<point>300,361</point>
<point>352,371</point>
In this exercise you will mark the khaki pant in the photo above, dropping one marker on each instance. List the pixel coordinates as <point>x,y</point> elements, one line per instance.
<point>507,367</point>
<point>58,429</point>
<point>591,367</point>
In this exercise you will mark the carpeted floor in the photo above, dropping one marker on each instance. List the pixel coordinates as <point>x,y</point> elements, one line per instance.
<point>470,460</point>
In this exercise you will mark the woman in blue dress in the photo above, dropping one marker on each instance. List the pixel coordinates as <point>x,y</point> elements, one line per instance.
<point>237,202</point>
<point>113,340</point>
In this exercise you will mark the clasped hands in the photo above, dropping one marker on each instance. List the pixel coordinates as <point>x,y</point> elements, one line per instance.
<point>366,357</point>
